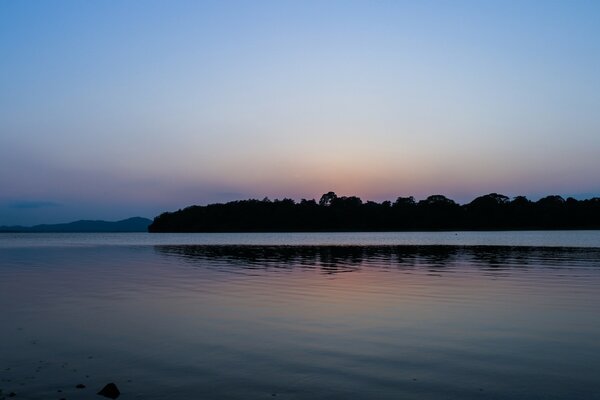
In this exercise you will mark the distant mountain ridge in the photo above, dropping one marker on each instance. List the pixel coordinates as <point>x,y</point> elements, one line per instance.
<point>134,224</point>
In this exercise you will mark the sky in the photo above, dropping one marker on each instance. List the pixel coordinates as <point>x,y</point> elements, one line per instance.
<point>113,109</point>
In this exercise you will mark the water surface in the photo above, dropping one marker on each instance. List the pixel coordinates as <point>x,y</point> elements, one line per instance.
<point>300,322</point>
<point>586,238</point>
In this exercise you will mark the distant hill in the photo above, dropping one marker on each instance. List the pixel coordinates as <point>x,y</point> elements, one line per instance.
<point>135,224</point>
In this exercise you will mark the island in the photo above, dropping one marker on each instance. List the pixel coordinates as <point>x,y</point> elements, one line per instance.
<point>334,213</point>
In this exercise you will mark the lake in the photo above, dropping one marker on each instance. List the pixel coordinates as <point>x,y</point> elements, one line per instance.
<point>446,315</point>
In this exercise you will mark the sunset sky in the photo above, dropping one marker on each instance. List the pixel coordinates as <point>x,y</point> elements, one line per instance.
<point>112,109</point>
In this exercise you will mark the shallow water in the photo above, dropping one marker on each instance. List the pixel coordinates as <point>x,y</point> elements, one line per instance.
<point>300,322</point>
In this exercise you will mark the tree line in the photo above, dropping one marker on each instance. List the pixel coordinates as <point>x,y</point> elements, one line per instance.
<point>349,213</point>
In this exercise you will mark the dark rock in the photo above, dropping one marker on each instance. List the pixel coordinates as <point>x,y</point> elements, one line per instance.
<point>12,394</point>
<point>110,390</point>
<point>80,386</point>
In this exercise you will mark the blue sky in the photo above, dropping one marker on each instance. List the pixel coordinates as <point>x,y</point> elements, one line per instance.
<point>115,109</point>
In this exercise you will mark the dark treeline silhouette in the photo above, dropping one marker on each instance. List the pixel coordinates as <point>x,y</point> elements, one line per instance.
<point>332,213</point>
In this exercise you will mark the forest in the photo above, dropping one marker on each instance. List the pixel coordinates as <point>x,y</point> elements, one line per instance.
<point>334,213</point>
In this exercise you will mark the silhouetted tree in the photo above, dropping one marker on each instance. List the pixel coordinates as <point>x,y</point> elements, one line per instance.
<point>405,202</point>
<point>327,199</point>
<point>488,211</point>
<point>437,200</point>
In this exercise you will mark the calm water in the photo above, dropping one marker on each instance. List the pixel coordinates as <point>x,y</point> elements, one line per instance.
<point>495,238</point>
<point>169,321</point>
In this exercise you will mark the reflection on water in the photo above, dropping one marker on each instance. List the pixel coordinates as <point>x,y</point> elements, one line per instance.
<point>335,259</point>
<point>300,322</point>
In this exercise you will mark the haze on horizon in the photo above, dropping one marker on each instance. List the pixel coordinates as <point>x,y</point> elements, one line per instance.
<point>115,109</point>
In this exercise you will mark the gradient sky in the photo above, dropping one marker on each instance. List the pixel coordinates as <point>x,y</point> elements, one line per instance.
<point>111,109</point>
